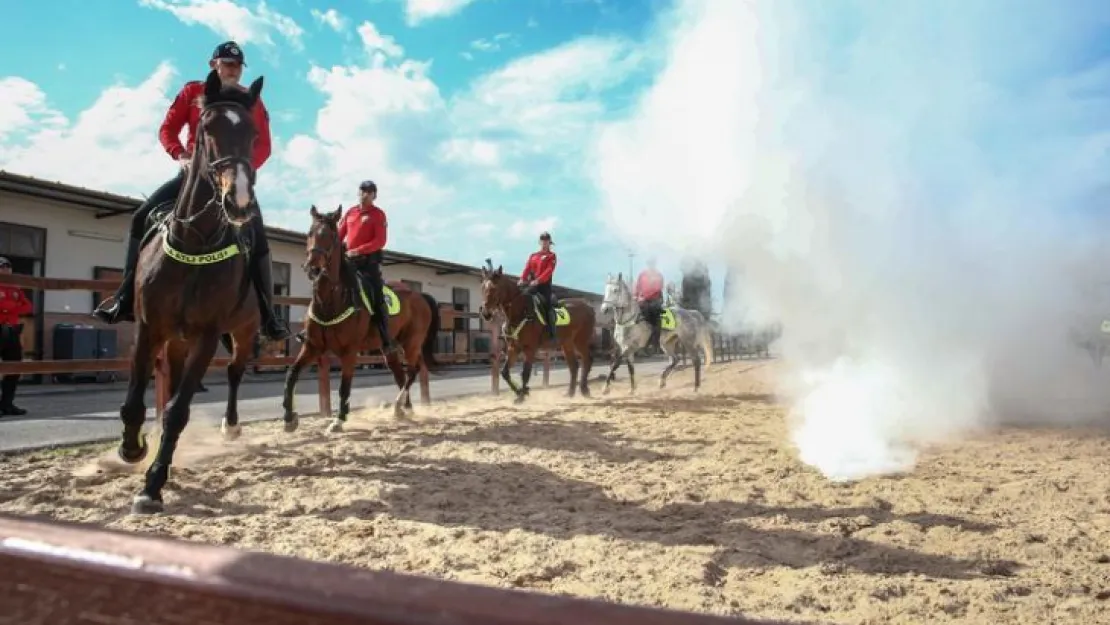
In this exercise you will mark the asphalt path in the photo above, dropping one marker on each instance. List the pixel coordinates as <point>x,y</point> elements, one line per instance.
<point>74,415</point>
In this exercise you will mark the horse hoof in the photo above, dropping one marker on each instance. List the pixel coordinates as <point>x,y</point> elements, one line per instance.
<point>584,392</point>
<point>335,427</point>
<point>231,432</point>
<point>519,399</point>
<point>605,391</point>
<point>134,457</point>
<point>291,424</point>
<point>145,505</point>
<point>398,411</point>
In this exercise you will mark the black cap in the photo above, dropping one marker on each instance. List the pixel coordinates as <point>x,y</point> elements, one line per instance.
<point>546,236</point>
<point>367,185</point>
<point>228,51</point>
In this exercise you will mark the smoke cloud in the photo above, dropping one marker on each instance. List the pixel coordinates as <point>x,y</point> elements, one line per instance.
<point>915,190</point>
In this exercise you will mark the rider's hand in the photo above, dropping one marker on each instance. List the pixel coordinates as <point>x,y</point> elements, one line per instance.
<point>184,159</point>
<point>534,283</point>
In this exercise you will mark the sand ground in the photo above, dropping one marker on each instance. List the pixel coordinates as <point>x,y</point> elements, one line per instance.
<point>664,498</point>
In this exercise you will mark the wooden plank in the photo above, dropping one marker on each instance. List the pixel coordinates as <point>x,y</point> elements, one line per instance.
<point>65,574</point>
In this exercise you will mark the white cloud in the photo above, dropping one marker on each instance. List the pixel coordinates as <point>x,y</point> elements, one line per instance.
<point>377,43</point>
<point>531,229</point>
<point>330,18</point>
<point>110,146</point>
<point>493,44</point>
<point>233,20</point>
<point>417,11</point>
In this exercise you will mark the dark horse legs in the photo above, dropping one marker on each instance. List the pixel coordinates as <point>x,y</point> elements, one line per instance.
<point>132,412</point>
<point>306,356</point>
<point>149,499</point>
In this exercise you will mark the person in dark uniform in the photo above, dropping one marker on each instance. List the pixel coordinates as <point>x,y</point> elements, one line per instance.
<point>13,305</point>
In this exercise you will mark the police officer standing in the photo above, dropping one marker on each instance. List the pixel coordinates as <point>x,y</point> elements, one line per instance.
<point>13,305</point>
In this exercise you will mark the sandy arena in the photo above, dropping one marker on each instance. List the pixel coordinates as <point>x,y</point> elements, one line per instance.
<point>658,499</point>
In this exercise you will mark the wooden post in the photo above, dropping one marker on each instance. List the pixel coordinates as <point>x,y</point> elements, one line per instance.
<point>323,366</point>
<point>494,359</point>
<point>425,393</point>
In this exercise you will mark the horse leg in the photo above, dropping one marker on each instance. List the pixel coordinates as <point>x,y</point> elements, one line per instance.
<point>149,499</point>
<point>235,370</point>
<point>572,366</point>
<point>506,370</point>
<point>613,371</point>
<point>412,371</point>
<point>631,371</point>
<point>525,375</point>
<point>306,355</point>
<point>696,357</point>
<point>668,347</point>
<point>132,447</point>
<point>347,361</point>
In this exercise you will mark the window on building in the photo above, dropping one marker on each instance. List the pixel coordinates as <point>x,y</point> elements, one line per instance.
<point>414,285</point>
<point>460,299</point>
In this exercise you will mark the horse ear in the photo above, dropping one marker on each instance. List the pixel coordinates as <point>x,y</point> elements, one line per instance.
<point>336,214</point>
<point>256,88</point>
<point>500,270</point>
<point>315,213</point>
<point>212,87</point>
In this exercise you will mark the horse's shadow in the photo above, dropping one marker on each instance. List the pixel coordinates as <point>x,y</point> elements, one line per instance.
<point>506,496</point>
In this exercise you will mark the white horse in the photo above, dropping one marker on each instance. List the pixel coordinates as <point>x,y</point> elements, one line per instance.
<point>631,331</point>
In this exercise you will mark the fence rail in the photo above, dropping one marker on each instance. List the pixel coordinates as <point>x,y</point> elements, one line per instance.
<point>65,574</point>
<point>726,348</point>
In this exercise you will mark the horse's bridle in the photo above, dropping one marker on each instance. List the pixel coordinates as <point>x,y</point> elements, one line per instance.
<point>618,315</point>
<point>326,253</point>
<point>213,168</point>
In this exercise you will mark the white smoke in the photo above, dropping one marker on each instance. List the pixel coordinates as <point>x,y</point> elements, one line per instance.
<point>910,188</point>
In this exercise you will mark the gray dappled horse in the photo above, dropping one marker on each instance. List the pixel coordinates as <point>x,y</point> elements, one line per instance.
<point>631,331</point>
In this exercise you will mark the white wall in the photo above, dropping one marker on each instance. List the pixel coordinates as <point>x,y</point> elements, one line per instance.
<point>76,242</point>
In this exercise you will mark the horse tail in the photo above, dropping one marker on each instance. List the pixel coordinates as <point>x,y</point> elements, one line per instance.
<point>428,348</point>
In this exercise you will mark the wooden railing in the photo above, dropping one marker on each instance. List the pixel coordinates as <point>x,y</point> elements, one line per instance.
<point>54,573</point>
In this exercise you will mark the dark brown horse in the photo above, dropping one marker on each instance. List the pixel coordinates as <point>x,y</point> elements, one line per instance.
<point>192,286</point>
<point>523,333</point>
<point>338,321</point>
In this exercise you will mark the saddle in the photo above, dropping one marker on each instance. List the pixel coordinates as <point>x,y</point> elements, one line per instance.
<point>160,215</point>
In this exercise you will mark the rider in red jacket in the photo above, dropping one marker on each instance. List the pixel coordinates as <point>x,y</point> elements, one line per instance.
<point>13,305</point>
<point>184,112</point>
<point>649,294</point>
<point>364,231</point>
<point>537,275</point>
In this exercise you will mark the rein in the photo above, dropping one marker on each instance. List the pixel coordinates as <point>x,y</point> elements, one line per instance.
<point>337,282</point>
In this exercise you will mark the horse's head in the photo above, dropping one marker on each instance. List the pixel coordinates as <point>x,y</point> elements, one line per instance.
<point>617,295</point>
<point>323,246</point>
<point>497,291</point>
<point>225,143</point>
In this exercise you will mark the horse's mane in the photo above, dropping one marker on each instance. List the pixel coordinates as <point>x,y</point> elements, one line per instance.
<point>230,94</point>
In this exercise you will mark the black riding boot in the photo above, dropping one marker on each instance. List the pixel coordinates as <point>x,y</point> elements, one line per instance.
<point>552,330</point>
<point>122,305</point>
<point>273,328</point>
<point>382,317</point>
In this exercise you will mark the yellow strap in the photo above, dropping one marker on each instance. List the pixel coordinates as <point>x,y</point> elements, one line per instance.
<point>346,313</point>
<point>210,258</point>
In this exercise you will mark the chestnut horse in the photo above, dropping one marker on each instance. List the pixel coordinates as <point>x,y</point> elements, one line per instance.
<point>339,321</point>
<point>525,333</point>
<point>192,287</point>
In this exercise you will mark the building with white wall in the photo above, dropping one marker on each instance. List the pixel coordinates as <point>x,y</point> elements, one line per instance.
<point>62,231</point>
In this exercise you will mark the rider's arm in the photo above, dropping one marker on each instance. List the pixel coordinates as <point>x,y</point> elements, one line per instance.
<point>545,276</point>
<point>262,144</point>
<point>343,228</point>
<point>378,238</point>
<point>176,117</point>
<point>527,270</point>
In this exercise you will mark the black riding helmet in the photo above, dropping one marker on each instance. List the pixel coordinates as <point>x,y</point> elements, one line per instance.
<point>546,236</point>
<point>368,185</point>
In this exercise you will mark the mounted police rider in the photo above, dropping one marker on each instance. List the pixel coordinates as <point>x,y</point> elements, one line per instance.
<point>364,231</point>
<point>649,294</point>
<point>228,61</point>
<point>536,278</point>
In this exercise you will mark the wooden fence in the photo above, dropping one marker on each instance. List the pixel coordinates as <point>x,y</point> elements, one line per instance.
<point>54,573</point>
<point>726,348</point>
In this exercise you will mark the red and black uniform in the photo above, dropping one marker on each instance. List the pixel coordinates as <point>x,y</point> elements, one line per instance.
<point>13,305</point>
<point>364,231</point>
<point>541,268</point>
<point>649,293</point>
<point>184,113</point>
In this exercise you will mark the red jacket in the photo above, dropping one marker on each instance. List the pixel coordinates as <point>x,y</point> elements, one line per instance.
<point>649,285</point>
<point>184,111</point>
<point>540,266</point>
<point>365,231</point>
<point>13,305</point>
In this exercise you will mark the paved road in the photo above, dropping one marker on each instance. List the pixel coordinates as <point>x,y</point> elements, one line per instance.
<point>83,415</point>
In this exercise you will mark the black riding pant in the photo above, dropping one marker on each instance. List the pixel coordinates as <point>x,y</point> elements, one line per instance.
<point>11,350</point>
<point>370,268</point>
<point>651,310</point>
<point>168,192</point>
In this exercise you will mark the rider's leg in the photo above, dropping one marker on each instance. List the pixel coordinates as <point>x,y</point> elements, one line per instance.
<point>372,272</point>
<point>273,328</point>
<point>121,306</point>
<point>544,291</point>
